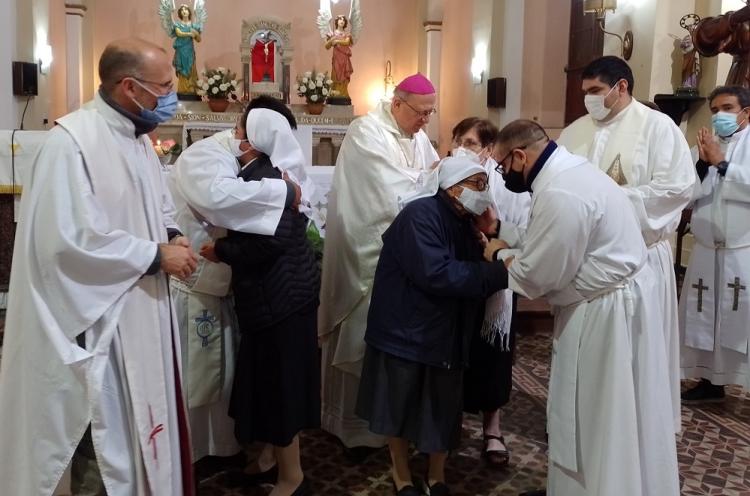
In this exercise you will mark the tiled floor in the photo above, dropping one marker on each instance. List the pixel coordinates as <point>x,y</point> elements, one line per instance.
<point>713,450</point>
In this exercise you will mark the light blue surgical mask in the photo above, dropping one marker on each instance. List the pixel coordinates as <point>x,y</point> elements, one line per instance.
<point>166,106</point>
<point>725,124</point>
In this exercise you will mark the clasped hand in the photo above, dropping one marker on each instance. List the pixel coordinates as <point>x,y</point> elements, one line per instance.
<point>208,251</point>
<point>708,148</point>
<point>492,246</point>
<point>178,258</point>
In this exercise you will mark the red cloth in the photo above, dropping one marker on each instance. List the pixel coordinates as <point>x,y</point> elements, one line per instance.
<point>261,63</point>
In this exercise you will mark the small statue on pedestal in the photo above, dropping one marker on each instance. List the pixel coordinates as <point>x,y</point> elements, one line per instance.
<point>186,31</point>
<point>691,64</point>
<point>341,42</point>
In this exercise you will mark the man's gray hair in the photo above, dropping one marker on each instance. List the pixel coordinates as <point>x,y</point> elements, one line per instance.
<point>521,133</point>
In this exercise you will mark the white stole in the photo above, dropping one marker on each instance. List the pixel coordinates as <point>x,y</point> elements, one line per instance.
<point>698,293</point>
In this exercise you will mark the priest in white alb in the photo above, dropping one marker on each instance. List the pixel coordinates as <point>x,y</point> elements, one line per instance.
<point>209,199</point>
<point>715,303</point>
<point>646,154</point>
<point>583,252</point>
<point>90,369</point>
<point>381,158</point>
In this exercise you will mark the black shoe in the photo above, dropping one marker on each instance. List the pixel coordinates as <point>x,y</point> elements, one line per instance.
<point>239,478</point>
<point>407,490</point>
<point>358,454</point>
<point>303,489</point>
<point>539,492</point>
<point>704,392</point>
<point>438,489</point>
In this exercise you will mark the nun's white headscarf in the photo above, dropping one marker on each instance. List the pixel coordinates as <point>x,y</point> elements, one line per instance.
<point>449,172</point>
<point>269,132</point>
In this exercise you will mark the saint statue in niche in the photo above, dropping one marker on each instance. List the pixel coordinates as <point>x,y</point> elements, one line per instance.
<point>691,66</point>
<point>186,30</point>
<point>263,56</point>
<point>340,37</point>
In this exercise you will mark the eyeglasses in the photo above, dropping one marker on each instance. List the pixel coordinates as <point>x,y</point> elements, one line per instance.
<point>424,114</point>
<point>468,143</point>
<point>168,86</point>
<point>479,184</point>
<point>499,168</point>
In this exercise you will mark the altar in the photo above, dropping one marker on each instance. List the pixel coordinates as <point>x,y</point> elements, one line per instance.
<point>319,135</point>
<point>17,152</point>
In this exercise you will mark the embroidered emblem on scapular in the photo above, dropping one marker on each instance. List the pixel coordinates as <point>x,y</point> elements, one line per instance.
<point>204,326</point>
<point>616,173</point>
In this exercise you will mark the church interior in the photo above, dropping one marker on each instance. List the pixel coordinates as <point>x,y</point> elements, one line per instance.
<point>499,60</point>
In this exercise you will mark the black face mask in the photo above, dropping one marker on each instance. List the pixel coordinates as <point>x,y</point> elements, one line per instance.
<point>514,180</point>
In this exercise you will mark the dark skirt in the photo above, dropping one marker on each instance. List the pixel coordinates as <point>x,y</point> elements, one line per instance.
<point>410,400</point>
<point>276,389</point>
<point>488,379</point>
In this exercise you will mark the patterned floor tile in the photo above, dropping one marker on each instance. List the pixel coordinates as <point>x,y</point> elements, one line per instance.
<point>713,449</point>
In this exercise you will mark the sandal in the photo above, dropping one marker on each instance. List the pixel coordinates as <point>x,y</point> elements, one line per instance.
<point>496,457</point>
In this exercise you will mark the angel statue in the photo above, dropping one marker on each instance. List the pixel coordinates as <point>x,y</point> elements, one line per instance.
<point>185,30</point>
<point>341,42</point>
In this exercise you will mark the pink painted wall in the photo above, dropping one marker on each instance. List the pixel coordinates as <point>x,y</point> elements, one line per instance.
<point>58,69</point>
<point>391,31</point>
<point>455,74</point>
<point>545,55</point>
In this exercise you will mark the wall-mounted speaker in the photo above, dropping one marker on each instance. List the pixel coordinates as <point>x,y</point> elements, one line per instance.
<point>25,79</point>
<point>496,90</point>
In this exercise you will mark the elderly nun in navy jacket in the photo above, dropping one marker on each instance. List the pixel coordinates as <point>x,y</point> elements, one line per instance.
<point>428,298</point>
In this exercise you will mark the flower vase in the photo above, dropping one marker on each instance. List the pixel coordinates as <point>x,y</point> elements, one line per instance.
<point>165,159</point>
<point>218,104</point>
<point>315,108</point>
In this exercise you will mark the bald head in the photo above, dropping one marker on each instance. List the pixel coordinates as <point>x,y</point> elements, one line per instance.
<point>519,145</point>
<point>522,133</point>
<point>130,57</point>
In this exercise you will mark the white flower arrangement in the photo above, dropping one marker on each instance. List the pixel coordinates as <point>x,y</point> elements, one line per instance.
<point>218,83</point>
<point>314,86</point>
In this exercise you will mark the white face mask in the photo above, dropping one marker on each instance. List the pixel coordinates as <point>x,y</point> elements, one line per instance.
<point>476,202</point>
<point>232,144</point>
<point>595,105</point>
<point>460,151</point>
<point>234,147</point>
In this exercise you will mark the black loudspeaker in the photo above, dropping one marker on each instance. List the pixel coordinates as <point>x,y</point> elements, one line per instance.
<point>25,79</point>
<point>496,89</point>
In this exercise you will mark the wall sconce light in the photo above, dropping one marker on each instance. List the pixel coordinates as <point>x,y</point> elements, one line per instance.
<point>44,55</point>
<point>388,84</point>
<point>479,64</point>
<point>600,8</point>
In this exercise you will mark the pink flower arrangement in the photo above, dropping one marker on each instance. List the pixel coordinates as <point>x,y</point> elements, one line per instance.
<point>167,147</point>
